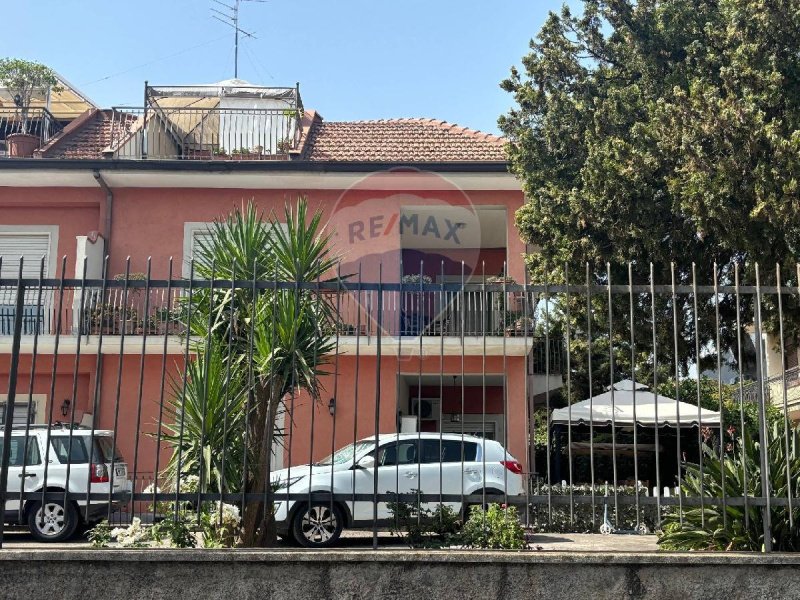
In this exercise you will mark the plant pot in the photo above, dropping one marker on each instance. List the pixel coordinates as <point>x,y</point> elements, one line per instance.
<point>22,145</point>
<point>246,156</point>
<point>196,154</point>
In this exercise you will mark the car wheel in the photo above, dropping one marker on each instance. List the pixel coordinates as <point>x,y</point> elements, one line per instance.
<point>317,525</point>
<point>55,522</point>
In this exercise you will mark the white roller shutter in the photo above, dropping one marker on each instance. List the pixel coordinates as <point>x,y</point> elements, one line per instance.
<point>29,246</point>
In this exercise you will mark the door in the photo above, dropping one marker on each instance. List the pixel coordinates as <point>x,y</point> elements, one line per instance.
<point>397,470</point>
<point>29,472</point>
<point>443,469</point>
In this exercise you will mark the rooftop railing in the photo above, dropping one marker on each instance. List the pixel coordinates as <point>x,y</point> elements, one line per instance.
<point>36,122</point>
<point>190,133</point>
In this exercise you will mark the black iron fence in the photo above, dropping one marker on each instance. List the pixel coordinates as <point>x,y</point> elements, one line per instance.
<point>191,133</point>
<point>36,122</point>
<point>569,400</point>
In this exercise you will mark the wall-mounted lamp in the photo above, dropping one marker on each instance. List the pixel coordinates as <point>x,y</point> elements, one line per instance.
<point>455,418</point>
<point>65,407</point>
<point>332,406</point>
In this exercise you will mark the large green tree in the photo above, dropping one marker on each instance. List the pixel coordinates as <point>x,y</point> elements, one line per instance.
<point>662,131</point>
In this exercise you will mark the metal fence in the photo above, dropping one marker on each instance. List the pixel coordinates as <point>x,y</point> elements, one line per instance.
<point>189,133</point>
<point>571,381</point>
<point>35,121</point>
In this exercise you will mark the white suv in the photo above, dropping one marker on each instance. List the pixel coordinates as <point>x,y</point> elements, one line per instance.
<point>433,463</point>
<point>92,472</point>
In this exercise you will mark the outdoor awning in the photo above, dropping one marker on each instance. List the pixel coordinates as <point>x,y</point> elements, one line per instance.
<point>630,403</point>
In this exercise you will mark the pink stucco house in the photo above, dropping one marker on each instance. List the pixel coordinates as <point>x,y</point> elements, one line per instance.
<point>413,195</point>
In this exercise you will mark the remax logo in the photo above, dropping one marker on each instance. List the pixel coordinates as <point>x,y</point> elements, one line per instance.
<point>411,227</point>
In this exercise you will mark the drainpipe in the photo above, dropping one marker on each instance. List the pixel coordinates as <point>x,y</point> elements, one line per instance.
<point>106,250</point>
<point>109,211</point>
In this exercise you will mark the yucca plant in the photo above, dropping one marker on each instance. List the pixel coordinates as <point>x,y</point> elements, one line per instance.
<point>733,527</point>
<point>203,423</point>
<point>275,337</point>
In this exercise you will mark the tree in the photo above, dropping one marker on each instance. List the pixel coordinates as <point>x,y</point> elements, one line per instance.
<point>22,78</point>
<point>275,339</point>
<point>662,131</point>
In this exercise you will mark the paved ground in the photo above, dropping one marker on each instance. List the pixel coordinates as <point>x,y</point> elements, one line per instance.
<point>359,540</point>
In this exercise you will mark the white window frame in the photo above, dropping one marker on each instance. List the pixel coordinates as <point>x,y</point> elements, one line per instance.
<point>190,228</point>
<point>39,401</point>
<point>52,249</point>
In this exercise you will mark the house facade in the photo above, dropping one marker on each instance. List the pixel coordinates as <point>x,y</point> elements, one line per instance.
<point>408,200</point>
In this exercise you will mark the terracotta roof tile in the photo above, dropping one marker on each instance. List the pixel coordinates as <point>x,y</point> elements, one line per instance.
<point>389,140</point>
<point>86,137</point>
<point>400,140</point>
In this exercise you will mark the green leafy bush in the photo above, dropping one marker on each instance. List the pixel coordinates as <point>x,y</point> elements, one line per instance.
<point>587,518</point>
<point>100,535</point>
<point>495,528</point>
<point>420,527</point>
<point>713,527</point>
<point>175,532</point>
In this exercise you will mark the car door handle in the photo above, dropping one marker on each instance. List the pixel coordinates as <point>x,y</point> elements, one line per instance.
<point>27,475</point>
<point>410,475</point>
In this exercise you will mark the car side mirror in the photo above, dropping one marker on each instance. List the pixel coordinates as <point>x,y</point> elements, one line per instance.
<point>366,462</point>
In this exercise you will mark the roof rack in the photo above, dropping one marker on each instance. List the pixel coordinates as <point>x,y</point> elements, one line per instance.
<point>56,424</point>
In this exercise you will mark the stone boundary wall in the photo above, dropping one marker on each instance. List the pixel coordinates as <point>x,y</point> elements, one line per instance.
<point>392,574</point>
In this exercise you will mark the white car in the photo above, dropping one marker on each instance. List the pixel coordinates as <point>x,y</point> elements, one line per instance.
<point>94,472</point>
<point>433,463</point>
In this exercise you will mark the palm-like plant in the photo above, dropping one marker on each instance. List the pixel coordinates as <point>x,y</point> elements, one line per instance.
<point>203,422</point>
<point>735,527</point>
<point>275,338</point>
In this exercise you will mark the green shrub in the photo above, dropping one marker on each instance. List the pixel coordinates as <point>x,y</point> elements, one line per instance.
<point>585,518</point>
<point>176,532</point>
<point>713,527</point>
<point>496,528</point>
<point>421,527</point>
<point>100,535</point>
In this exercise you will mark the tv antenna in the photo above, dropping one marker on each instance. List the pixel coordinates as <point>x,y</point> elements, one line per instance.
<point>230,17</point>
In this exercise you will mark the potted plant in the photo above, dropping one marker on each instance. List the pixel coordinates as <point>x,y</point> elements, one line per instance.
<point>517,324</point>
<point>22,78</point>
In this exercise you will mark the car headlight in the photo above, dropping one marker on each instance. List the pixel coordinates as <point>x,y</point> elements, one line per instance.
<point>282,484</point>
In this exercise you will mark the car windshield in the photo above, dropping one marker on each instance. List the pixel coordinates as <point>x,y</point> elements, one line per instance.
<point>347,453</point>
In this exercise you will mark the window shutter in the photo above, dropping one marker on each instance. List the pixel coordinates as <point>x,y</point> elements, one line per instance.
<point>29,246</point>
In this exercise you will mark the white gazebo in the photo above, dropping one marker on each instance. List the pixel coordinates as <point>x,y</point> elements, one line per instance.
<point>629,402</point>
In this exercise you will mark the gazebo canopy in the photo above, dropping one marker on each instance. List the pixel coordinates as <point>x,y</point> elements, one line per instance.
<point>629,402</point>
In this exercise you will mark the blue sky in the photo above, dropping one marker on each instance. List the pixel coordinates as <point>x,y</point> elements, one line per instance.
<point>354,59</point>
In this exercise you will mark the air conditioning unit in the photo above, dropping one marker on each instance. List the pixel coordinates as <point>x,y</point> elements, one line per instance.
<point>425,408</point>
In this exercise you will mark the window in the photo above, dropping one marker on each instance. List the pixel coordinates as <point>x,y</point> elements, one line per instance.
<point>31,243</point>
<point>77,453</point>
<point>18,447</point>
<point>22,413</point>
<point>448,451</point>
<point>193,232</point>
<point>402,453</point>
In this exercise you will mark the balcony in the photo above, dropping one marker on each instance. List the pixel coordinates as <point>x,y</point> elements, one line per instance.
<point>230,120</point>
<point>473,321</point>
<point>24,129</point>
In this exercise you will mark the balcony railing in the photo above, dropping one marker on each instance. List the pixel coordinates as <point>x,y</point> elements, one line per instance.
<point>468,314</point>
<point>33,121</point>
<point>190,133</point>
